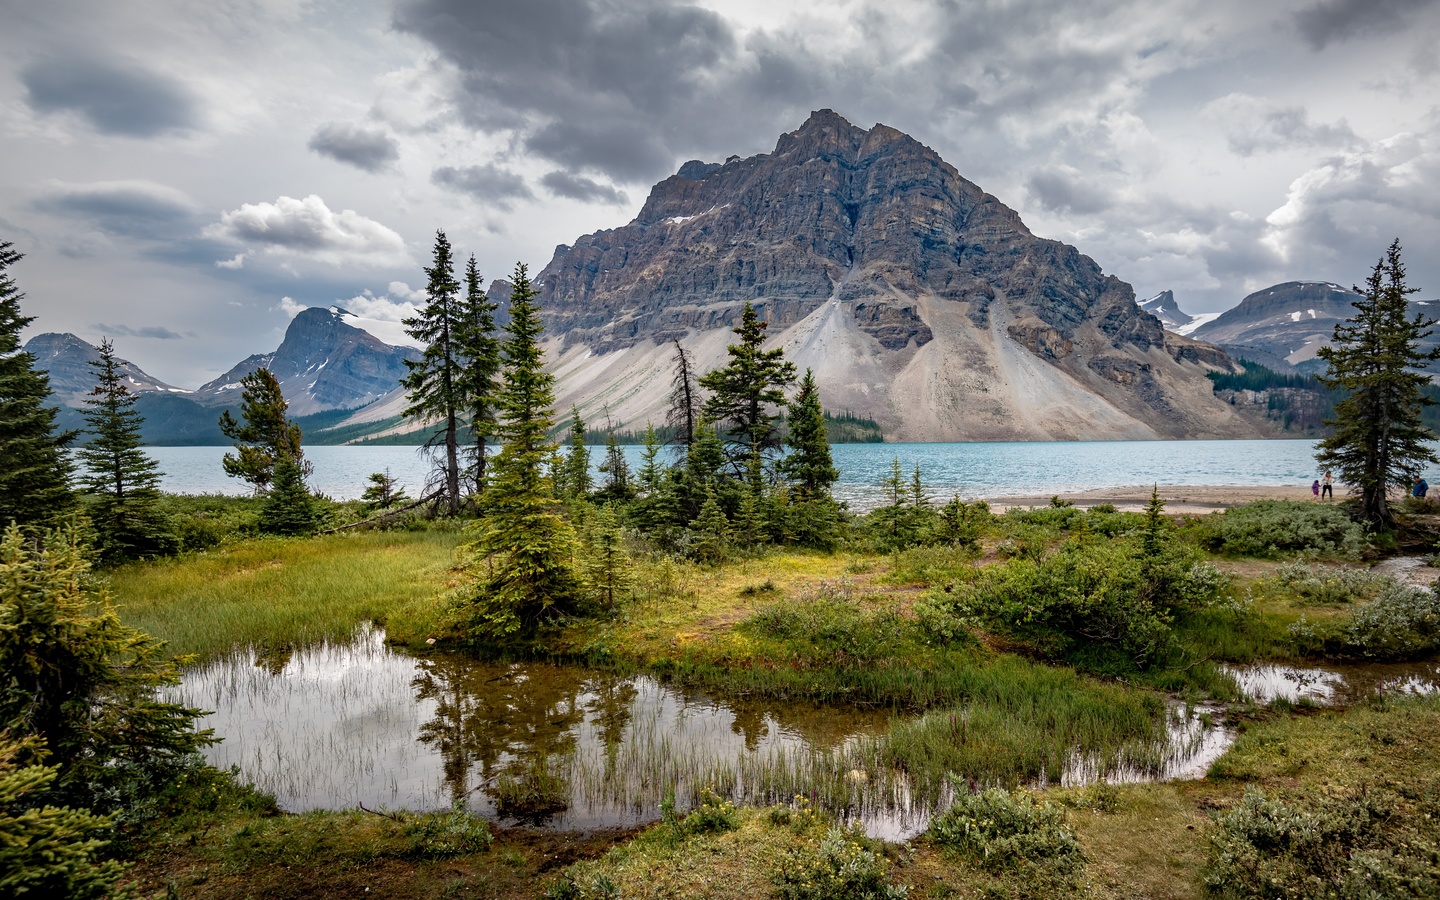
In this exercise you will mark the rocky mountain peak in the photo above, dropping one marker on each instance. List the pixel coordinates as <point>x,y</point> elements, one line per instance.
<point>872,255</point>
<point>323,363</point>
<point>67,358</point>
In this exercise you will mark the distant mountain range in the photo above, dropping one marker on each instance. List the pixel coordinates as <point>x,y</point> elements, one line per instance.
<point>1281,327</point>
<point>920,302</point>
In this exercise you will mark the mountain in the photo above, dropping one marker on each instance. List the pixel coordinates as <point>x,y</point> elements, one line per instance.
<point>323,363</point>
<point>67,358</point>
<point>1163,307</point>
<point>920,301</point>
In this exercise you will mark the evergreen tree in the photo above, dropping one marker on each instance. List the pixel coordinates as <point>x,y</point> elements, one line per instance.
<point>684,416</point>
<point>383,492</point>
<point>744,390</point>
<point>751,517</point>
<point>434,380</point>
<point>125,481</point>
<point>1379,440</point>
<point>45,851</point>
<point>712,532</point>
<point>478,378</point>
<point>575,478</point>
<point>526,549</point>
<point>82,682</point>
<point>34,470</point>
<point>267,434</point>
<point>608,569</point>
<point>616,469</point>
<point>808,465</point>
<point>703,474</point>
<point>290,508</point>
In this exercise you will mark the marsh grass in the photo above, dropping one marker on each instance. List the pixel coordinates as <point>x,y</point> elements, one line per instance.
<point>274,592</point>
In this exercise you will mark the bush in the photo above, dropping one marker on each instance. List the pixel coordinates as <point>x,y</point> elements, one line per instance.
<point>1328,585</point>
<point>442,835</point>
<point>1271,528</point>
<point>999,830</point>
<point>1402,623</point>
<point>1079,596</point>
<point>830,623</point>
<point>1343,848</point>
<point>712,814</point>
<point>841,867</point>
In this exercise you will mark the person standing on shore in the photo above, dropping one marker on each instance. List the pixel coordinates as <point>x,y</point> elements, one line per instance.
<point>1327,484</point>
<point>1315,490</point>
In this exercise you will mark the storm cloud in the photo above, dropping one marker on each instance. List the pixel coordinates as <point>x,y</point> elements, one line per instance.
<point>488,184</point>
<point>156,332</point>
<point>367,149</point>
<point>140,209</point>
<point>1338,20</point>
<point>113,97</point>
<point>586,190</point>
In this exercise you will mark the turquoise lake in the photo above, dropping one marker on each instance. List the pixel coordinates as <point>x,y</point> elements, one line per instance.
<point>970,470</point>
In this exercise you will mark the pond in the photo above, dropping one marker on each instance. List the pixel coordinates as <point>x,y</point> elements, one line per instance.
<point>343,725</point>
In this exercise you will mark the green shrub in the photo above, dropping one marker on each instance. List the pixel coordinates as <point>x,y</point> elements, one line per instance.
<point>1271,528</point>
<point>829,622</point>
<point>1401,623</point>
<point>840,867</point>
<point>442,835</point>
<point>999,830</point>
<point>1080,596</point>
<point>1330,585</point>
<point>712,814</point>
<point>1347,848</point>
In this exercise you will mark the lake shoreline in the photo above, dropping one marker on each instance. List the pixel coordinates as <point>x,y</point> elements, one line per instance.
<point>1178,499</point>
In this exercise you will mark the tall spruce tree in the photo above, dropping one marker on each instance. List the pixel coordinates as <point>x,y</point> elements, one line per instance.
<point>478,378</point>
<point>808,466</point>
<point>745,391</point>
<point>434,380</point>
<point>266,436</point>
<point>1379,440</point>
<point>124,480</point>
<point>34,470</point>
<point>574,474</point>
<point>526,550</point>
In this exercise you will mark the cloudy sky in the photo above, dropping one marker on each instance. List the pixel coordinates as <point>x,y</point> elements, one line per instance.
<point>184,176</point>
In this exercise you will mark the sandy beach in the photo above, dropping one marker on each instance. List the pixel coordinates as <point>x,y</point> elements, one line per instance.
<point>1178,498</point>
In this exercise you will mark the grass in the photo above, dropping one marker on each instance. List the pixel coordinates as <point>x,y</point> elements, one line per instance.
<point>285,592</point>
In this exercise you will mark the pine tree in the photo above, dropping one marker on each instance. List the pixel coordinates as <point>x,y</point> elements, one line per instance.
<point>808,466</point>
<point>478,379</point>
<point>290,508</point>
<point>84,683</point>
<point>1379,440</point>
<point>712,533</point>
<point>267,435</point>
<point>575,481</point>
<point>743,391</point>
<point>616,469</point>
<point>47,852</point>
<point>526,549</point>
<point>434,380</point>
<point>608,570</point>
<point>752,521</point>
<point>124,480</point>
<point>684,415</point>
<point>34,470</point>
<point>383,492</point>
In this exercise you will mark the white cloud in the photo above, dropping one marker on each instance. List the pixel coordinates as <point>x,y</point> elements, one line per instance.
<point>308,229</point>
<point>235,262</point>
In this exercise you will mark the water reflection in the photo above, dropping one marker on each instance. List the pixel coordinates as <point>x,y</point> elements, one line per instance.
<point>1335,684</point>
<point>339,725</point>
<point>335,726</point>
